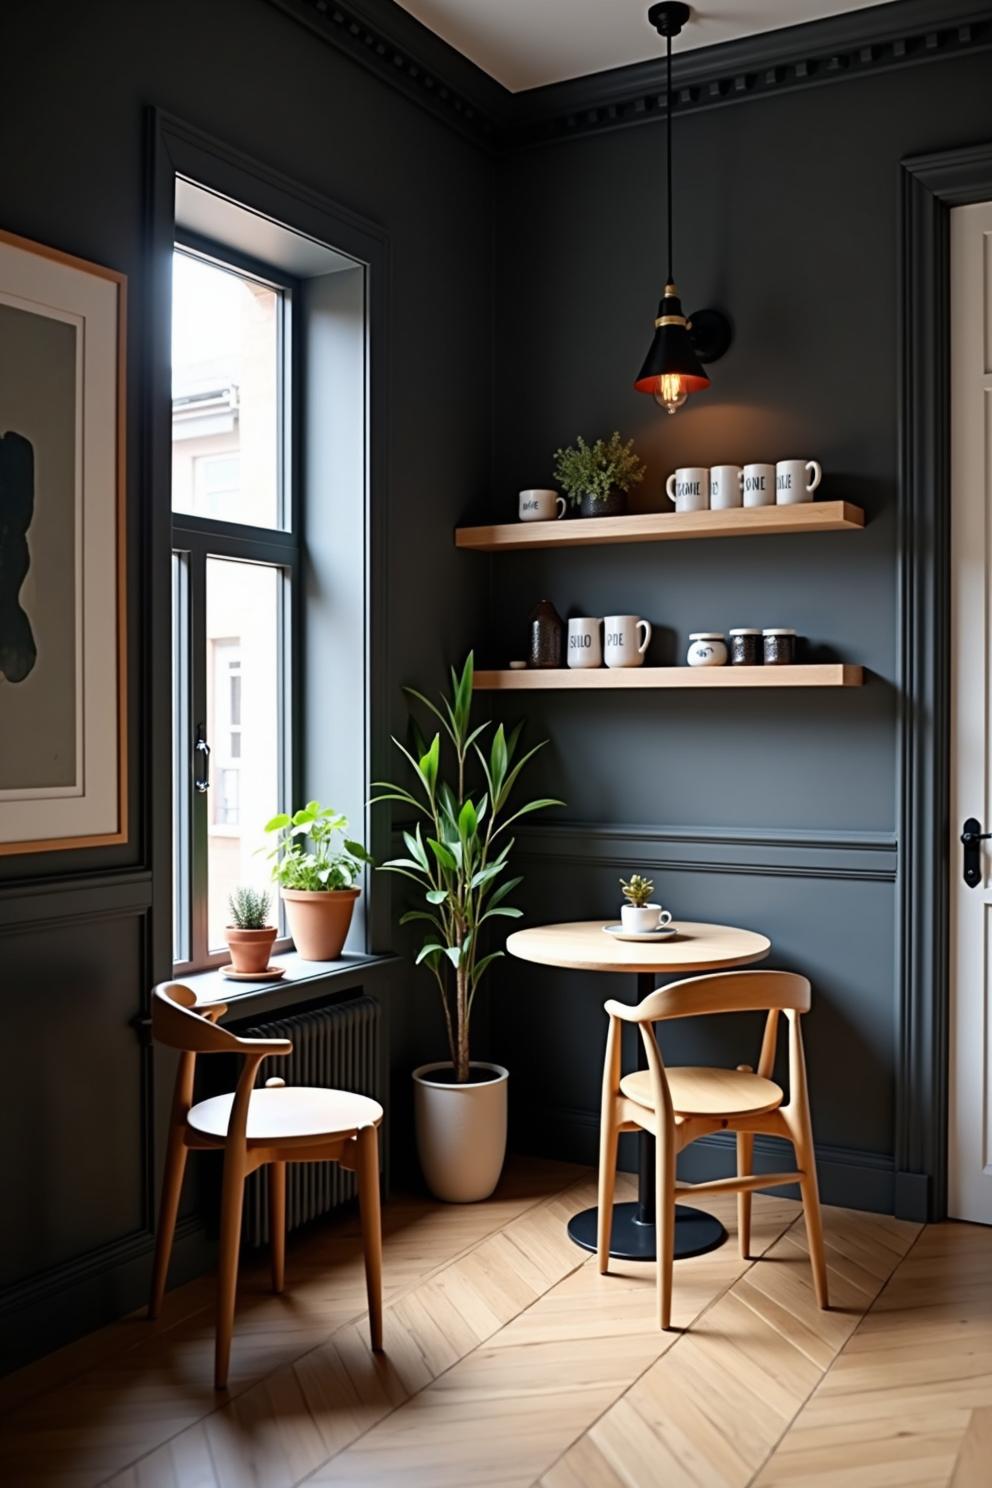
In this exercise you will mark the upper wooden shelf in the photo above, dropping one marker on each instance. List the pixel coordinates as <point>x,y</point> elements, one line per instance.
<point>583,532</point>
<point>808,674</point>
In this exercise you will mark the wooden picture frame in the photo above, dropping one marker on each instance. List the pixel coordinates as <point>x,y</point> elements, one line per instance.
<point>63,622</point>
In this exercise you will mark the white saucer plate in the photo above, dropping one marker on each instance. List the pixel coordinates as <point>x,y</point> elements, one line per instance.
<point>665,932</point>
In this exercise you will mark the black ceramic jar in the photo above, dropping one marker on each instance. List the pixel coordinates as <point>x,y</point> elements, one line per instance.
<point>545,636</point>
<point>779,647</point>
<point>745,648</point>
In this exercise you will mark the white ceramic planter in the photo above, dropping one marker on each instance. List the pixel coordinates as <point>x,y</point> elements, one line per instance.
<point>461,1130</point>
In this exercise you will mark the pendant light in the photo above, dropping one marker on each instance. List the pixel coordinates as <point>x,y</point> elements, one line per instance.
<point>673,366</point>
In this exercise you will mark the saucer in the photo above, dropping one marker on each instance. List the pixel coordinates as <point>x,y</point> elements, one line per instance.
<point>664,932</point>
<point>270,974</point>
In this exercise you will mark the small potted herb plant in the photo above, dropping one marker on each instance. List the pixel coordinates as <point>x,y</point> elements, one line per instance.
<point>249,935</point>
<point>639,916</point>
<point>316,874</point>
<point>596,477</point>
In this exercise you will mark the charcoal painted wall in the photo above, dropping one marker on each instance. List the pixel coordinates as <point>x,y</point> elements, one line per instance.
<point>772,810</point>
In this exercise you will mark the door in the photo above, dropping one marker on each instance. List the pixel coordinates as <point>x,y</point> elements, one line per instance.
<point>970,1053</point>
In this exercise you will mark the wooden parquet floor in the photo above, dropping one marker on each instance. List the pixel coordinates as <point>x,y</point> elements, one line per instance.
<point>511,1363</point>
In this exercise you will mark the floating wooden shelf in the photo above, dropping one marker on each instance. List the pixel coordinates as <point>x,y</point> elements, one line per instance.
<point>583,532</point>
<point>819,674</point>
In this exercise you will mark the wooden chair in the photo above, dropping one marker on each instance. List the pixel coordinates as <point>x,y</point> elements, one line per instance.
<point>679,1105</point>
<point>276,1125</point>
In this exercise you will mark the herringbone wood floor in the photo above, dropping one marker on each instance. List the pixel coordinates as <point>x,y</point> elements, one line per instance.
<point>510,1361</point>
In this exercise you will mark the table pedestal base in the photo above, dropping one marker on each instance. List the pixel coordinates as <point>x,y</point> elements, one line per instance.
<point>633,1239</point>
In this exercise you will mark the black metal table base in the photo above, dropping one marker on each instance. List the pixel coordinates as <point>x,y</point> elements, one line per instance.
<point>633,1239</point>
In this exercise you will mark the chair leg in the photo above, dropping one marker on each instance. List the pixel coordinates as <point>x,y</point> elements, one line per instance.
<point>172,1187</point>
<point>745,1154</point>
<point>277,1224</point>
<point>368,1199</point>
<point>806,1158</point>
<point>665,1227</point>
<point>231,1203</point>
<point>608,1139</point>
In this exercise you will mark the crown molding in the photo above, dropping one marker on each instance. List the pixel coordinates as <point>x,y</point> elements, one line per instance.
<point>390,43</point>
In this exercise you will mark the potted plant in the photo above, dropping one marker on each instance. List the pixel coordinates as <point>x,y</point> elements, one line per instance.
<point>459,857</point>
<point>315,875</point>
<point>639,916</point>
<point>249,935</point>
<point>597,477</point>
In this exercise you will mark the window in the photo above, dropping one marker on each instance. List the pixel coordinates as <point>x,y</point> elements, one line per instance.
<point>235,557</point>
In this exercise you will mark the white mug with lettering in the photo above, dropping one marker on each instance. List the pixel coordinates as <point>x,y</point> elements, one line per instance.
<point>759,485</point>
<point>620,642</point>
<point>726,486</point>
<point>689,488</point>
<point>796,480</point>
<point>541,506</point>
<point>585,644</point>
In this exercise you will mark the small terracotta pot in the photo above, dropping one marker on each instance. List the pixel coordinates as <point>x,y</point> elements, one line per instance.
<point>319,920</point>
<point>461,1130</point>
<point>250,949</point>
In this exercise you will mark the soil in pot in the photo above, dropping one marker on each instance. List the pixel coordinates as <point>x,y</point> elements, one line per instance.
<point>250,949</point>
<point>319,921</point>
<point>613,505</point>
<point>461,1129</point>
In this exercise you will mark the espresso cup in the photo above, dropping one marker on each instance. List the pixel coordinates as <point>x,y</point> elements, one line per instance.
<point>541,506</point>
<point>726,486</point>
<point>796,480</point>
<point>620,640</point>
<point>689,488</point>
<point>585,643</point>
<point>641,919</point>
<point>759,485</point>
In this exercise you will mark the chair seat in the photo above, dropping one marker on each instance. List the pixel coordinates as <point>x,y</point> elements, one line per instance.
<point>697,1091</point>
<point>289,1112</point>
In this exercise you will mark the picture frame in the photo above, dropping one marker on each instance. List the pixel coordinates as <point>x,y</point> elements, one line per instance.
<point>63,623</point>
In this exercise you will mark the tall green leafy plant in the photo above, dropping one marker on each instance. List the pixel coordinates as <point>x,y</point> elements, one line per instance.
<point>458,849</point>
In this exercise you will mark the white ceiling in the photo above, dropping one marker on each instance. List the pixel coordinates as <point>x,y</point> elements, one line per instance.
<point>526,43</point>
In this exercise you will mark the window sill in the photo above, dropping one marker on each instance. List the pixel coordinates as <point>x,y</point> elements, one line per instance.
<point>303,980</point>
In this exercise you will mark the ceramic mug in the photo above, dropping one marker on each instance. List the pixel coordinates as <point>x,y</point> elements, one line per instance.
<point>640,919</point>
<point>585,644</point>
<point>726,486</point>
<point>689,488</point>
<point>541,506</point>
<point>796,480</point>
<point>759,485</point>
<point>620,648</point>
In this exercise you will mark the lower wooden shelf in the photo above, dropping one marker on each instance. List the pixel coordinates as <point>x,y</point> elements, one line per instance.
<point>814,674</point>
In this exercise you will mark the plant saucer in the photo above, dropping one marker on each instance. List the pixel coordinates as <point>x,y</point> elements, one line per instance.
<point>270,974</point>
<point>664,932</point>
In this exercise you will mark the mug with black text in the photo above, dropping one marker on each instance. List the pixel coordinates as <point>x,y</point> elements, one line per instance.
<point>796,480</point>
<point>726,486</point>
<point>541,506</point>
<point>585,643</point>
<point>622,645</point>
<point>689,488</point>
<point>759,485</point>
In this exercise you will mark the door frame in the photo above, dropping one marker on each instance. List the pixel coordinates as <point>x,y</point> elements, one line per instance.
<point>930,185</point>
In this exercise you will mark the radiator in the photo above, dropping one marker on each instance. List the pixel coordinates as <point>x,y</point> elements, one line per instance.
<point>338,1047</point>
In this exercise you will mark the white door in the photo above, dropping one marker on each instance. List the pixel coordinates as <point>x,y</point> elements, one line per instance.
<point>970,1072</point>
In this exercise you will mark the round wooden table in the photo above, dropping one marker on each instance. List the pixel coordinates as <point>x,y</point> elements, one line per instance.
<point>695,947</point>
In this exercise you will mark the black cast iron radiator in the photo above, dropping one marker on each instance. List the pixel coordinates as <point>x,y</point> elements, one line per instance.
<point>339,1047</point>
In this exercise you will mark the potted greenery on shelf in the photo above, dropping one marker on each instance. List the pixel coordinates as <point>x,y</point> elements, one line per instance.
<point>458,857</point>
<point>249,935</point>
<point>316,876</point>
<point>597,477</point>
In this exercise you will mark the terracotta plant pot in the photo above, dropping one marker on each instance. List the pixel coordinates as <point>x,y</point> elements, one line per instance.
<point>250,949</point>
<point>461,1130</point>
<point>319,920</point>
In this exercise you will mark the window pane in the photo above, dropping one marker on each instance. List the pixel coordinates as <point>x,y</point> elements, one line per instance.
<point>244,728</point>
<point>226,375</point>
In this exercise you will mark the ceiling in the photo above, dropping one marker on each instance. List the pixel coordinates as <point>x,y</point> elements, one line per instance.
<point>526,43</point>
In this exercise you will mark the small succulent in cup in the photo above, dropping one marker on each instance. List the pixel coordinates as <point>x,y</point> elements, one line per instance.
<point>637,890</point>
<point>249,908</point>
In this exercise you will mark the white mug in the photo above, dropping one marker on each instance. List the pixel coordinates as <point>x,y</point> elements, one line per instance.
<point>585,644</point>
<point>620,646</point>
<point>726,486</point>
<point>796,480</point>
<point>689,488</point>
<point>640,919</point>
<point>540,506</point>
<point>759,485</point>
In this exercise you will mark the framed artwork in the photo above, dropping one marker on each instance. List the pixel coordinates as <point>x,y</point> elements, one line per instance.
<point>63,761</point>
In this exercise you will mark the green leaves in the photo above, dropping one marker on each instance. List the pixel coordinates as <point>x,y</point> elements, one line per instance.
<point>323,866</point>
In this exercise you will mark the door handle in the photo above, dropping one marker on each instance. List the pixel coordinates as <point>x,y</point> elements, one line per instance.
<point>971,836</point>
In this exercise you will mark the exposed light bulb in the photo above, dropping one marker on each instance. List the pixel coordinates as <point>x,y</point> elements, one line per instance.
<point>672,391</point>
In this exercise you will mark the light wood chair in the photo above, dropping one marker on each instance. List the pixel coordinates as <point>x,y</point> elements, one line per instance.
<point>276,1125</point>
<point>679,1105</point>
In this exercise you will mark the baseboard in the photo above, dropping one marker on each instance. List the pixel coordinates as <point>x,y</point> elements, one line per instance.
<point>849,1177</point>
<point>912,1196</point>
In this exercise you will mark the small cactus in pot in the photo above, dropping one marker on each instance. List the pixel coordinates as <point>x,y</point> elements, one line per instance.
<point>639,915</point>
<point>249,935</point>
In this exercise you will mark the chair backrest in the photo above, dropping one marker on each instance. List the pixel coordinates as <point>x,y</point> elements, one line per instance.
<point>178,1023</point>
<point>724,992</point>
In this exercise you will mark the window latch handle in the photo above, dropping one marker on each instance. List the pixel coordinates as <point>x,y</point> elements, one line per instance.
<point>971,836</point>
<point>202,749</point>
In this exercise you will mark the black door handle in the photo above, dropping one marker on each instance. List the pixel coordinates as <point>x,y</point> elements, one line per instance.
<point>971,836</point>
<point>202,749</point>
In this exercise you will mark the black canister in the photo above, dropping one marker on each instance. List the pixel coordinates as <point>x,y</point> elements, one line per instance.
<point>779,647</point>
<point>545,636</point>
<point>745,648</point>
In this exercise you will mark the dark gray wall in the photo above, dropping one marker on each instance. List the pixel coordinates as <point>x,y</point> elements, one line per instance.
<point>774,810</point>
<point>75,929</point>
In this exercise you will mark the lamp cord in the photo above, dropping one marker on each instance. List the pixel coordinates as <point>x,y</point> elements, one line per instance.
<point>668,141</point>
